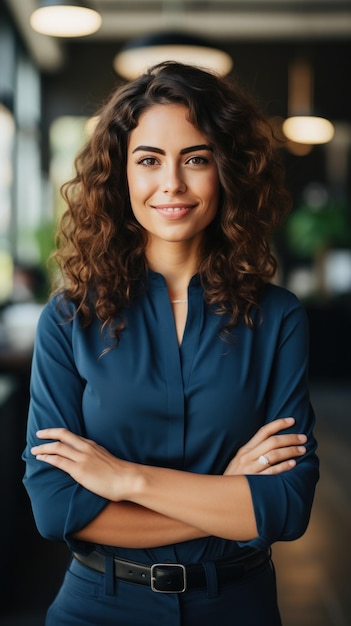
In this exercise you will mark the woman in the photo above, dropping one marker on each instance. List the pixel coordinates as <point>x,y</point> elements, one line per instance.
<point>170,432</point>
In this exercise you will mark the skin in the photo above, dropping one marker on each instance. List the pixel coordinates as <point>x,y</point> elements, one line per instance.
<point>173,179</point>
<point>174,189</point>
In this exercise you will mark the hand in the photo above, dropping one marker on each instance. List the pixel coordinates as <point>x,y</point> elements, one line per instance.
<point>267,452</point>
<point>88,463</point>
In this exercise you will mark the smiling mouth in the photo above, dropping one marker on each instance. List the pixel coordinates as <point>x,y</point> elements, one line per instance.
<point>173,211</point>
<point>176,209</point>
<point>173,207</point>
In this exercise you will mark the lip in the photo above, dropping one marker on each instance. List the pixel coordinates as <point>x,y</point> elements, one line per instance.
<point>173,205</point>
<point>173,211</point>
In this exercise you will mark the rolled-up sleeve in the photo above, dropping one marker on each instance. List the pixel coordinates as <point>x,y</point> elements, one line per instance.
<point>283,502</point>
<point>60,505</point>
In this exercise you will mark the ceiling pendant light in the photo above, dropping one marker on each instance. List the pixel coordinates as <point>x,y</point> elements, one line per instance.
<point>308,129</point>
<point>65,19</point>
<point>301,126</point>
<point>137,56</point>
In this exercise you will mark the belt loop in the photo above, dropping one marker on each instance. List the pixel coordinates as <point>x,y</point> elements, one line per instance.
<point>110,580</point>
<point>211,578</point>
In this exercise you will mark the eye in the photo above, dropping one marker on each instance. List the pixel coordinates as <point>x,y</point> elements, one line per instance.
<point>148,161</point>
<point>197,160</point>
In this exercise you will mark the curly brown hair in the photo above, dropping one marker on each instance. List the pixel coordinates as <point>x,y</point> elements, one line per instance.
<point>101,246</point>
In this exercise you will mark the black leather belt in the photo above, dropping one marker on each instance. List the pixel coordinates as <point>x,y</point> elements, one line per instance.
<point>174,577</point>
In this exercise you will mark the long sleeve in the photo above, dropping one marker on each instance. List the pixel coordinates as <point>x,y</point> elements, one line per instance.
<point>283,503</point>
<point>60,505</point>
<point>188,407</point>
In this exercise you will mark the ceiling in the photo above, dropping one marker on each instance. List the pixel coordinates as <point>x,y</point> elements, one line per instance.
<point>224,21</point>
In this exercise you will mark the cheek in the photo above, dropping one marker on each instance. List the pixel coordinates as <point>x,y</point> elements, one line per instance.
<point>211,189</point>
<point>139,187</point>
<point>138,196</point>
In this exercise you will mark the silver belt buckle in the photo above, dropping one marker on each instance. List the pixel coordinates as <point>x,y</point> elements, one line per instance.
<point>171,566</point>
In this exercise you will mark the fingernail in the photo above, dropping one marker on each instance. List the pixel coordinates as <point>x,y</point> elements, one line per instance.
<point>289,420</point>
<point>302,437</point>
<point>301,448</point>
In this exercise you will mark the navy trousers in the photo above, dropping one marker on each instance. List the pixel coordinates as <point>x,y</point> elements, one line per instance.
<point>87,598</point>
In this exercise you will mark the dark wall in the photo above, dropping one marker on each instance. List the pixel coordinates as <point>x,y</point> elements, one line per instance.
<point>88,77</point>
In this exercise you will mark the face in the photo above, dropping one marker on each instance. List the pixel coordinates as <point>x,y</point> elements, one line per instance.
<point>172,176</point>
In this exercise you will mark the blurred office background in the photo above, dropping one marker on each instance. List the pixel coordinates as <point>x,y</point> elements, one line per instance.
<point>294,56</point>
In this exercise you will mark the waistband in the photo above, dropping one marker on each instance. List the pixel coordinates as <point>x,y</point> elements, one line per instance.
<point>175,577</point>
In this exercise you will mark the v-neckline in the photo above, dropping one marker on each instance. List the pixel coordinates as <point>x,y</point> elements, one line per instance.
<point>181,310</point>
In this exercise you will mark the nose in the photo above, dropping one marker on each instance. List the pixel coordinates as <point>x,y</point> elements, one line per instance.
<point>173,181</point>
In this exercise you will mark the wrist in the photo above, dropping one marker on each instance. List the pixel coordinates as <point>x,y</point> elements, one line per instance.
<point>129,482</point>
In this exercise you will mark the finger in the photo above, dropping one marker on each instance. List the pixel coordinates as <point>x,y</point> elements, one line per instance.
<point>56,460</point>
<point>275,457</point>
<point>285,466</point>
<point>55,448</point>
<point>270,429</point>
<point>62,434</point>
<point>276,442</point>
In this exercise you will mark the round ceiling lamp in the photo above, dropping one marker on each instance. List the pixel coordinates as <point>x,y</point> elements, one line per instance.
<point>65,19</point>
<point>137,56</point>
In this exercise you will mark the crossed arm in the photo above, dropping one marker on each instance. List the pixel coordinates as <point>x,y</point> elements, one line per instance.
<point>152,506</point>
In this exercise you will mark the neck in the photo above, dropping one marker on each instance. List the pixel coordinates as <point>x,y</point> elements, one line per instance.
<point>177,263</point>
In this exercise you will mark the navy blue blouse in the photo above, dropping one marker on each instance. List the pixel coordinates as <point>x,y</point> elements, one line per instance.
<point>189,407</point>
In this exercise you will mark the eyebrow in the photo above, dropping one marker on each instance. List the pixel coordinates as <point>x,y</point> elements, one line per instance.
<point>202,146</point>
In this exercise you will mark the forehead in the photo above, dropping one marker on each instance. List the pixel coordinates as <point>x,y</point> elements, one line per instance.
<point>164,122</point>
